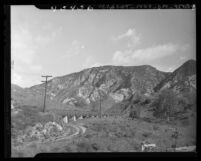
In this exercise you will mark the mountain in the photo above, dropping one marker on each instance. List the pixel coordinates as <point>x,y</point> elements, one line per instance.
<point>111,84</point>
<point>17,93</point>
<point>182,80</point>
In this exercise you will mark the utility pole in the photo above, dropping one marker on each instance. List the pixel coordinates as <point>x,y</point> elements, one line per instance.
<point>100,113</point>
<point>46,77</point>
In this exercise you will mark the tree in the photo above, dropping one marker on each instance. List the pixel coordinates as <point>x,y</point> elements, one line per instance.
<point>165,103</point>
<point>135,111</point>
<point>175,137</point>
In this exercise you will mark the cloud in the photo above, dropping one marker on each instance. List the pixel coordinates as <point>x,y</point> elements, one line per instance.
<point>28,77</point>
<point>155,52</point>
<point>23,53</point>
<point>24,80</point>
<point>36,68</point>
<point>22,48</point>
<point>16,78</point>
<point>75,49</point>
<point>90,62</point>
<point>120,57</point>
<point>171,69</point>
<point>185,47</point>
<point>144,56</point>
<point>97,64</point>
<point>48,37</point>
<point>182,57</point>
<point>25,43</point>
<point>131,35</point>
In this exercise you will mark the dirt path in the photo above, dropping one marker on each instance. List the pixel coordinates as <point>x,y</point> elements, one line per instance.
<point>79,130</point>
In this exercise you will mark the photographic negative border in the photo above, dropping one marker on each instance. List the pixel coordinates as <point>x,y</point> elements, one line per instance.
<point>91,5</point>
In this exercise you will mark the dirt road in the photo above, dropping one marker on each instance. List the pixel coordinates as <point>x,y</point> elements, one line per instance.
<point>77,129</point>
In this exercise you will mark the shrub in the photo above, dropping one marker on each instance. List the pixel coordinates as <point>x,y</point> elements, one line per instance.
<point>135,111</point>
<point>185,122</point>
<point>165,103</point>
<point>111,148</point>
<point>95,146</point>
<point>147,134</point>
<point>84,147</point>
<point>68,149</point>
<point>146,101</point>
<point>20,154</point>
<point>155,127</point>
<point>191,97</point>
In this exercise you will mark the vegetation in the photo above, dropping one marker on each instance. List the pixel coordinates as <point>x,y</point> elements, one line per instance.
<point>117,135</point>
<point>135,111</point>
<point>165,104</point>
<point>23,122</point>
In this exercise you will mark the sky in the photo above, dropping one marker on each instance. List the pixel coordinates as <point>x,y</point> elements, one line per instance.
<point>57,43</point>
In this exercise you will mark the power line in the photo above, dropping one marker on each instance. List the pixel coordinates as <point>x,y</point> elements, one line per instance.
<point>46,77</point>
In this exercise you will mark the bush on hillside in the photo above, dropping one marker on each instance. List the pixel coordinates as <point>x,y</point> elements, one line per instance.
<point>165,104</point>
<point>188,100</point>
<point>84,147</point>
<point>138,98</point>
<point>135,111</point>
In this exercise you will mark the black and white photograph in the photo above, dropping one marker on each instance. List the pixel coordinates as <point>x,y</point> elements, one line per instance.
<point>102,80</point>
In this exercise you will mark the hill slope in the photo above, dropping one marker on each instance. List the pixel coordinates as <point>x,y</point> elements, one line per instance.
<point>86,86</point>
<point>182,80</point>
<point>112,84</point>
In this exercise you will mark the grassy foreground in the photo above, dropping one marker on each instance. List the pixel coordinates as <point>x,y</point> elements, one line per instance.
<point>118,134</point>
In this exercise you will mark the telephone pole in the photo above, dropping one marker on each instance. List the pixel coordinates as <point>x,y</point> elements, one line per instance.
<point>46,77</point>
<point>100,112</point>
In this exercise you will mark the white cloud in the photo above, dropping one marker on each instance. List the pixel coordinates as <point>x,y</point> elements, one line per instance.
<point>170,69</point>
<point>23,53</point>
<point>144,56</point>
<point>132,36</point>
<point>90,62</point>
<point>16,78</point>
<point>182,57</point>
<point>48,37</point>
<point>155,52</point>
<point>97,64</point>
<point>185,47</point>
<point>36,68</point>
<point>24,43</point>
<point>24,80</point>
<point>24,46</point>
<point>75,49</point>
<point>120,57</point>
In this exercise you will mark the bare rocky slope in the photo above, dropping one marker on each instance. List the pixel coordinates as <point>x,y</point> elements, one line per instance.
<point>112,84</point>
<point>182,80</point>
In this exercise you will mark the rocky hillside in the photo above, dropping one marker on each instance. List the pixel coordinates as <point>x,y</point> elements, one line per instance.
<point>182,80</point>
<point>112,83</point>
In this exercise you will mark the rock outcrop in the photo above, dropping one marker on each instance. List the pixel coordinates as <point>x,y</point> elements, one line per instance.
<point>40,132</point>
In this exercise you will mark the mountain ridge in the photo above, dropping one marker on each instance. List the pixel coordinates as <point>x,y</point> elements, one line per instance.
<point>185,75</point>
<point>112,83</point>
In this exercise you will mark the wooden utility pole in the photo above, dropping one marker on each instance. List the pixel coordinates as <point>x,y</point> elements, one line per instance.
<point>100,112</point>
<point>46,76</point>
